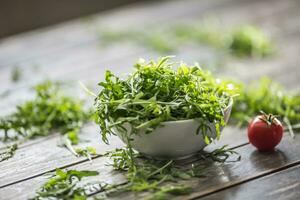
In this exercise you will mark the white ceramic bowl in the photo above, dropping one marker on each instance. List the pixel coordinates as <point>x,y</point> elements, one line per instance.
<point>172,140</point>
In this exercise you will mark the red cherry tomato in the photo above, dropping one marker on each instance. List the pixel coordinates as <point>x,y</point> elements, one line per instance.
<point>265,132</point>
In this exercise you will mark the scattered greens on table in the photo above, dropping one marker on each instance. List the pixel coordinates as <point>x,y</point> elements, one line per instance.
<point>250,41</point>
<point>156,92</point>
<point>241,41</point>
<point>86,152</point>
<point>161,178</point>
<point>50,111</point>
<point>268,96</point>
<point>10,151</point>
<point>66,185</point>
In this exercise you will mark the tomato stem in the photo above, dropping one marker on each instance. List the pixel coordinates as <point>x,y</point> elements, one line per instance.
<point>268,118</point>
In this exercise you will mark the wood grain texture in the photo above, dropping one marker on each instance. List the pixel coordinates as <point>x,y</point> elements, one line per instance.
<point>216,177</point>
<point>283,185</point>
<point>71,52</point>
<point>253,165</point>
<point>34,160</point>
<point>25,186</point>
<point>49,156</point>
<point>26,189</point>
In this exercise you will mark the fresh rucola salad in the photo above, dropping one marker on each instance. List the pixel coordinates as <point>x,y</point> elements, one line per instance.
<point>159,91</point>
<point>156,92</point>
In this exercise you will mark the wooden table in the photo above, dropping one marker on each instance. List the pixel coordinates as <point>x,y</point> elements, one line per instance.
<point>71,51</point>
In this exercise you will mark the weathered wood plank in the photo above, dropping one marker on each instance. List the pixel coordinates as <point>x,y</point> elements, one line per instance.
<point>253,165</point>
<point>33,171</point>
<point>91,57</point>
<point>27,188</point>
<point>23,95</point>
<point>125,69</point>
<point>283,185</point>
<point>99,164</point>
<point>47,155</point>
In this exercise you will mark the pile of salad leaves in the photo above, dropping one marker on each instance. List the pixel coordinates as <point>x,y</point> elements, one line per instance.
<point>48,112</point>
<point>157,92</point>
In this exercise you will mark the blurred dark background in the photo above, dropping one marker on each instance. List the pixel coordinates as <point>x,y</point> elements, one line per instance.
<point>22,15</point>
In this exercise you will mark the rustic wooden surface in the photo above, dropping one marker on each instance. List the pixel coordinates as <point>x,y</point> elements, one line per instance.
<point>72,51</point>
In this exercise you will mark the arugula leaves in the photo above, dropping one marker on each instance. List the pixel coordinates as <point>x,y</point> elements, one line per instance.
<point>250,41</point>
<point>268,96</point>
<point>166,192</point>
<point>86,152</point>
<point>155,93</point>
<point>50,111</point>
<point>161,177</point>
<point>9,152</point>
<point>65,185</point>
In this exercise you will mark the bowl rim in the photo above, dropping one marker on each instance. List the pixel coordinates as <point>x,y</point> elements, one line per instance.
<point>190,120</point>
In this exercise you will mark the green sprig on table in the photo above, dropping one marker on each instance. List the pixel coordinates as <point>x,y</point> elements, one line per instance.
<point>160,178</point>
<point>65,185</point>
<point>250,41</point>
<point>10,151</point>
<point>49,112</point>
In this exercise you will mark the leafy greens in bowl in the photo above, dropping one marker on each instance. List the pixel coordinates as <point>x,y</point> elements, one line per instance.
<point>157,94</point>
